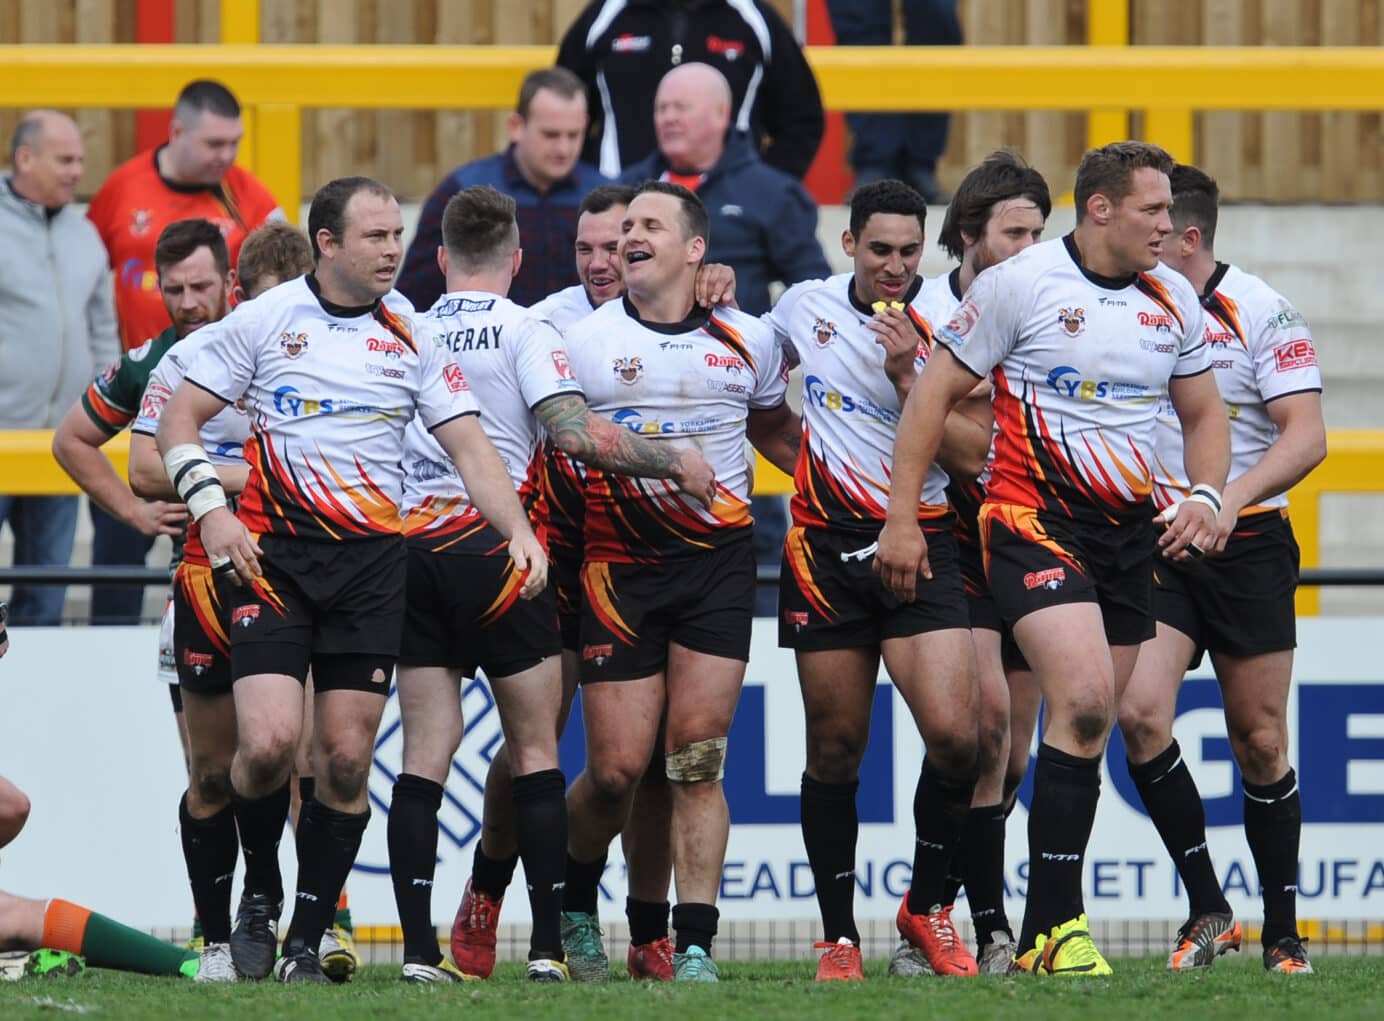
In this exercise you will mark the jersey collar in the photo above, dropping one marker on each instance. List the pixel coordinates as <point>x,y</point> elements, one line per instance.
<point>1109,283</point>
<point>866,310</point>
<point>954,282</point>
<point>696,319</point>
<point>1214,281</point>
<point>332,308</point>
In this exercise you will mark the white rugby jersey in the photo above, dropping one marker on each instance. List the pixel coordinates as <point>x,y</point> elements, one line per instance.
<point>1080,362</point>
<point>1260,349</point>
<point>564,308</point>
<point>513,362</point>
<point>329,391</point>
<point>850,408</point>
<point>691,384</point>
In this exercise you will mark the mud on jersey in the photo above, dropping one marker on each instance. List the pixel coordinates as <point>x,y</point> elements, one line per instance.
<point>1260,349</point>
<point>329,391</point>
<point>691,384</point>
<point>513,362</point>
<point>850,408</point>
<point>1080,363</point>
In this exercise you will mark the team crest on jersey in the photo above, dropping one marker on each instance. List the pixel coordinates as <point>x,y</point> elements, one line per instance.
<point>140,222</point>
<point>824,332</point>
<point>628,370</point>
<point>1073,319</point>
<point>294,344</point>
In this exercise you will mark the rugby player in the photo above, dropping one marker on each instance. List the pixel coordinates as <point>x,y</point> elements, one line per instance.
<point>1238,606</point>
<point>316,540</point>
<point>645,837</point>
<point>860,341</point>
<point>998,210</point>
<point>462,611</point>
<point>1084,334</point>
<point>668,586</point>
<point>201,613</point>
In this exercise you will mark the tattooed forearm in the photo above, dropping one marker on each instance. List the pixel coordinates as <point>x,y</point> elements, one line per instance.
<point>592,440</point>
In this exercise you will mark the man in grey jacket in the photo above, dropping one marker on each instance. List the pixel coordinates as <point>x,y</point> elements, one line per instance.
<point>57,328</point>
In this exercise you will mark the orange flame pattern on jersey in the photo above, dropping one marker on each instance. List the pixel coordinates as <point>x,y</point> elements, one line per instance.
<point>1227,312</point>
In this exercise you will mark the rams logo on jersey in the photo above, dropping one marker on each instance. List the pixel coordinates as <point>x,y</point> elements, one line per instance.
<point>1073,320</point>
<point>294,344</point>
<point>628,370</point>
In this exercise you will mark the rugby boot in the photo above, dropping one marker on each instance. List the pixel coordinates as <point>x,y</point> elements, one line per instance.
<point>934,934</point>
<point>1204,938</point>
<point>651,961</point>
<point>581,942</point>
<point>444,971</point>
<point>1288,957</point>
<point>695,966</point>
<point>996,956</point>
<point>255,938</point>
<point>216,965</point>
<point>1070,950</point>
<point>301,967</point>
<point>338,955</point>
<point>473,932</point>
<point>548,969</point>
<point>840,962</point>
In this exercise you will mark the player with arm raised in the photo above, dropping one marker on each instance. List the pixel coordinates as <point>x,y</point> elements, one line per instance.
<point>1085,334</point>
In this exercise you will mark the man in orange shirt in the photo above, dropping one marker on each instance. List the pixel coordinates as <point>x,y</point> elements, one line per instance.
<point>191,176</point>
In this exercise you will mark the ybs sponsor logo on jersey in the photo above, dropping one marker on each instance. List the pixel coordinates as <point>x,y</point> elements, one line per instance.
<point>293,344</point>
<point>817,393</point>
<point>390,347</point>
<point>1160,321</point>
<point>1296,354</point>
<point>823,331</point>
<point>1066,380</point>
<point>1073,319</point>
<point>628,370</point>
<point>730,363</point>
<point>637,423</point>
<point>1050,579</point>
<point>289,401</point>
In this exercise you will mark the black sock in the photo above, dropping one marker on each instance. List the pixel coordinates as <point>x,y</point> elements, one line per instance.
<point>540,824</point>
<point>1173,802</point>
<point>412,835</point>
<point>831,827</point>
<point>695,925</point>
<point>583,885</point>
<point>940,804</point>
<point>492,876</point>
<point>1066,789</point>
<point>328,841</point>
<point>261,825</point>
<point>1273,826</point>
<point>307,788</point>
<point>980,860</point>
<point>648,920</point>
<point>210,848</point>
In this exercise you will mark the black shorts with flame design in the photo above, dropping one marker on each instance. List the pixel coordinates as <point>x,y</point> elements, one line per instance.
<point>202,601</point>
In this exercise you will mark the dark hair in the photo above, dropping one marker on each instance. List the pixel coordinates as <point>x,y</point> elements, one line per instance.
<point>1109,171</point>
<point>179,240</point>
<point>478,227</point>
<point>694,218</point>
<point>1000,176</point>
<point>887,196</point>
<point>328,209</point>
<point>1196,201</point>
<point>205,96</point>
<point>275,249</point>
<point>554,79</point>
<point>606,197</point>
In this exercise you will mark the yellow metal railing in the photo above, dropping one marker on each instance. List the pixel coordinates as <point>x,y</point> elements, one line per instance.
<point>276,83</point>
<point>1354,464</point>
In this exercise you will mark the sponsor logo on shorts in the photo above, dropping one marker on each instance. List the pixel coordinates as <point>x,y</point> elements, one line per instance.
<point>453,377</point>
<point>1296,354</point>
<point>796,619</point>
<point>389,346</point>
<point>728,362</point>
<point>962,322</point>
<point>244,616</point>
<point>597,654</point>
<point>628,43</point>
<point>628,370</point>
<point>1073,319</point>
<point>199,661</point>
<point>384,370</point>
<point>1160,321</point>
<point>293,344</point>
<point>1050,579</point>
<point>824,332</point>
<point>562,365</point>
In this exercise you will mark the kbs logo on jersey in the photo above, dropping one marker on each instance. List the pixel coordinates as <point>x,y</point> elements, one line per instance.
<point>1296,354</point>
<point>628,43</point>
<point>1073,319</point>
<point>628,370</point>
<point>293,344</point>
<point>244,616</point>
<point>823,332</point>
<point>453,377</point>
<point>1066,380</point>
<point>1050,579</point>
<point>731,363</point>
<point>390,347</point>
<point>1160,321</point>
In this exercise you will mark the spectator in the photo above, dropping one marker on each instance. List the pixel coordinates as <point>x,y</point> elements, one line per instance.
<point>905,146</point>
<point>191,176</point>
<point>622,48</point>
<point>57,325</point>
<point>541,171</point>
<point>763,224</point>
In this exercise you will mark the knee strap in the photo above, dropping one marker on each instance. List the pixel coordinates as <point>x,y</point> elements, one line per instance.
<point>698,762</point>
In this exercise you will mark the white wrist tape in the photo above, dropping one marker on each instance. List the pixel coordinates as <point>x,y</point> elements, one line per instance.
<point>1209,495</point>
<point>1170,513</point>
<point>195,479</point>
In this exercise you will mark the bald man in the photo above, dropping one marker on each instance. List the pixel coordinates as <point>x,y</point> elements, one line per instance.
<point>763,224</point>
<point>57,329</point>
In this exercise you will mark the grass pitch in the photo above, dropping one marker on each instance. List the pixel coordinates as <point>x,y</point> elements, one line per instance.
<point>1343,988</point>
